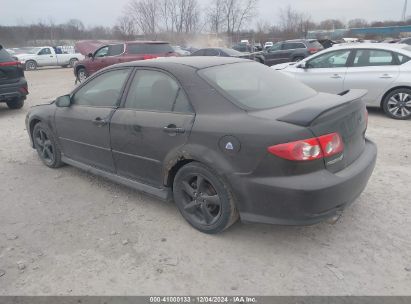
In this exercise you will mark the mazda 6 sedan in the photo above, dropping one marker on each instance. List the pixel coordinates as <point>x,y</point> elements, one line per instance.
<point>384,70</point>
<point>225,138</point>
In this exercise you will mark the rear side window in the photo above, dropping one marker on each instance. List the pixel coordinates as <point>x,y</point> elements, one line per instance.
<point>156,91</point>
<point>293,46</point>
<point>115,50</point>
<point>5,56</point>
<point>259,87</point>
<point>402,58</point>
<point>198,53</point>
<point>150,48</point>
<point>365,58</point>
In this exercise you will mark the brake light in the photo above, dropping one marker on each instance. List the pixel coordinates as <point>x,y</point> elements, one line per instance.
<point>10,63</point>
<point>313,50</point>
<point>309,149</point>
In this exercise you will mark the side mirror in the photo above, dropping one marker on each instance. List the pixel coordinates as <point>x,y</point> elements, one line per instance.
<point>63,101</point>
<point>302,65</point>
<point>90,55</point>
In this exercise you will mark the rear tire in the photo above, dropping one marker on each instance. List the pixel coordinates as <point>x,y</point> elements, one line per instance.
<point>204,199</point>
<point>31,65</point>
<point>46,145</point>
<point>15,103</point>
<point>397,104</point>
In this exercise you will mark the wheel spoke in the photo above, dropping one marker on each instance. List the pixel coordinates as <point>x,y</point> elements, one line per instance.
<point>212,200</point>
<point>39,142</point>
<point>191,207</point>
<point>405,112</point>
<point>48,153</point>
<point>392,101</point>
<point>200,183</point>
<point>394,110</point>
<point>188,189</point>
<point>206,213</point>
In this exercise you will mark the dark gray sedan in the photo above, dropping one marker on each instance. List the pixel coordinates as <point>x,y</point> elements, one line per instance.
<point>225,138</point>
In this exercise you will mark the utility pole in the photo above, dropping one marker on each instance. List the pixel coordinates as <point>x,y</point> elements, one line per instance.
<point>404,12</point>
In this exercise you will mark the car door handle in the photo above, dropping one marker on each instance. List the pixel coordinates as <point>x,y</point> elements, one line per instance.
<point>100,122</point>
<point>172,129</point>
<point>386,76</point>
<point>336,76</point>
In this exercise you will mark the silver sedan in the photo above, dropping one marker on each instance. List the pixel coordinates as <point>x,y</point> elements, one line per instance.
<point>384,70</point>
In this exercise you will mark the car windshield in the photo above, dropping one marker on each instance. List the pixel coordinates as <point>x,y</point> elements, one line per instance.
<point>33,51</point>
<point>258,87</point>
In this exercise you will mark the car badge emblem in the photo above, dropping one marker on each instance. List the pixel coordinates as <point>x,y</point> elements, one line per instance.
<point>229,146</point>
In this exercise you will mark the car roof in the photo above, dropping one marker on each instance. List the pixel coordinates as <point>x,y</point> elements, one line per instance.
<point>300,40</point>
<point>200,62</point>
<point>385,46</point>
<point>146,42</point>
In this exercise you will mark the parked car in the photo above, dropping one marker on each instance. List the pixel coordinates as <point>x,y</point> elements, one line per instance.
<point>122,52</point>
<point>382,69</point>
<point>243,48</point>
<point>268,44</point>
<point>262,147</point>
<point>405,41</point>
<point>291,50</point>
<point>46,56</point>
<point>13,85</point>
<point>179,50</point>
<point>226,52</point>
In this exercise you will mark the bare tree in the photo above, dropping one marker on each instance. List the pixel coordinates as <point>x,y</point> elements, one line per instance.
<point>357,23</point>
<point>145,15</point>
<point>125,27</point>
<point>294,24</point>
<point>215,16</point>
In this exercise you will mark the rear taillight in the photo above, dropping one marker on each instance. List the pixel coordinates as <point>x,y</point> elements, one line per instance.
<point>10,63</point>
<point>313,50</point>
<point>309,149</point>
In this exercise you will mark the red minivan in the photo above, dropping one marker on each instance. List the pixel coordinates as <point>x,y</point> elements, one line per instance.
<point>121,52</point>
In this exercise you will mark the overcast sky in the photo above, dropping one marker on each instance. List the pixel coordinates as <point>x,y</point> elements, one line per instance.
<point>104,12</point>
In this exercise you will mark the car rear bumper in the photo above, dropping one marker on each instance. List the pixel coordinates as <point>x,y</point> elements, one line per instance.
<point>13,90</point>
<point>303,199</point>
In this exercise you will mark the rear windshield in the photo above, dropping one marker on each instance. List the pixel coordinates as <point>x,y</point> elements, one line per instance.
<point>5,56</point>
<point>255,86</point>
<point>315,44</point>
<point>232,52</point>
<point>150,48</point>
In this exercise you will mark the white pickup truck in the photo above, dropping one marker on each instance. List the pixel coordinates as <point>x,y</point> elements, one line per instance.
<point>47,56</point>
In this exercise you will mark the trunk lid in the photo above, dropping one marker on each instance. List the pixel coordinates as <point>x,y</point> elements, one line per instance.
<point>325,114</point>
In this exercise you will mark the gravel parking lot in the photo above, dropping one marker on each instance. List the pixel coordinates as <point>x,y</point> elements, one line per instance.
<point>67,232</point>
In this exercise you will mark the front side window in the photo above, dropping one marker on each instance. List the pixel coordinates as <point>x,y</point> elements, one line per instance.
<point>156,91</point>
<point>364,58</point>
<point>102,91</point>
<point>259,87</point>
<point>336,59</point>
<point>103,52</point>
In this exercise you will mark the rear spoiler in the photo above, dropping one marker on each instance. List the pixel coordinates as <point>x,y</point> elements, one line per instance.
<point>306,116</point>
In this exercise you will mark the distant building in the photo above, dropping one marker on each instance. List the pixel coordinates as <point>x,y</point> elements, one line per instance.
<point>388,31</point>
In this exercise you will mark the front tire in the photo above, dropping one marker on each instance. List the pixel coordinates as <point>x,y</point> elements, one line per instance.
<point>31,65</point>
<point>204,199</point>
<point>397,104</point>
<point>82,74</point>
<point>46,146</point>
<point>15,103</point>
<point>72,62</point>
